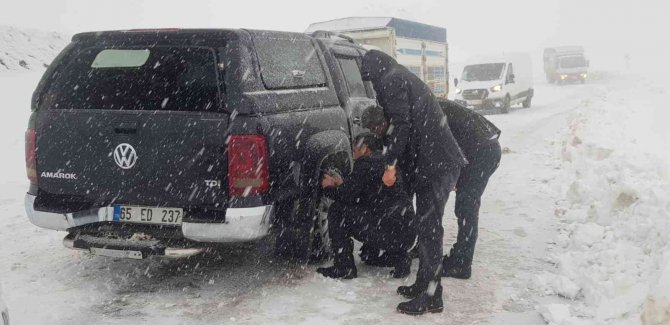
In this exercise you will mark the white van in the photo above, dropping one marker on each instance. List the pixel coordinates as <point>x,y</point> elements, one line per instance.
<point>496,83</point>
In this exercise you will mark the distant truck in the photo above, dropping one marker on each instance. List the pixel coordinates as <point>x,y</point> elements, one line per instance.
<point>496,83</point>
<point>565,64</point>
<point>419,47</point>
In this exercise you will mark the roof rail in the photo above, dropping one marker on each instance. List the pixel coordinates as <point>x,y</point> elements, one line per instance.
<point>329,34</point>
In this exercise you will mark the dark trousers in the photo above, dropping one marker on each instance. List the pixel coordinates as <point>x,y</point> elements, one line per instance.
<point>386,228</point>
<point>469,190</point>
<point>430,201</point>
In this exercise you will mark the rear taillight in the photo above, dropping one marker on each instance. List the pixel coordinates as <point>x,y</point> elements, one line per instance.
<point>248,171</point>
<point>31,165</point>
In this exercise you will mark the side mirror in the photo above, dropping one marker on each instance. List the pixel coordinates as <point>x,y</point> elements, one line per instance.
<point>588,63</point>
<point>510,79</point>
<point>456,82</point>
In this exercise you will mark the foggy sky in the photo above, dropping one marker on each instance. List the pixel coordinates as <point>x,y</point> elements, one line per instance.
<point>609,29</point>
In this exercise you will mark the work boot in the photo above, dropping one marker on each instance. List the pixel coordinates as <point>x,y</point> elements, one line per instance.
<point>374,257</point>
<point>409,292</point>
<point>454,267</point>
<point>403,265</point>
<point>344,266</point>
<point>423,303</point>
<point>335,272</point>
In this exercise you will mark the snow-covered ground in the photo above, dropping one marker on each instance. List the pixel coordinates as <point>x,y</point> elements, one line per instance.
<point>574,229</point>
<point>612,253</point>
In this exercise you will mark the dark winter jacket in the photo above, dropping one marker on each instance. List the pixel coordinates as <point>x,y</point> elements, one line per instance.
<point>471,130</point>
<point>364,186</point>
<point>419,139</point>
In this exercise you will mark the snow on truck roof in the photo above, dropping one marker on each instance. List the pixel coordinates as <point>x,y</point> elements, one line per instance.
<point>185,33</point>
<point>403,28</point>
<point>564,49</point>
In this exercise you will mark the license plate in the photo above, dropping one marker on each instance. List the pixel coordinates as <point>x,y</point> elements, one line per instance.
<point>474,102</point>
<point>159,216</point>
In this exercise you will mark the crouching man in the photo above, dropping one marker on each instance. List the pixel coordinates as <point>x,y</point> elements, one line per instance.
<point>366,210</point>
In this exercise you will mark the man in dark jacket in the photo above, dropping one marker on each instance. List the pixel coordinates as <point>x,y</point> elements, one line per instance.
<point>369,211</point>
<point>419,142</point>
<point>478,138</point>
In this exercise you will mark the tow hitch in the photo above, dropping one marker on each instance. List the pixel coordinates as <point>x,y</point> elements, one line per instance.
<point>133,248</point>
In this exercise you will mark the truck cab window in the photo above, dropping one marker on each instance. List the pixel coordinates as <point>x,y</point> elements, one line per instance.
<point>352,76</point>
<point>510,73</point>
<point>287,64</point>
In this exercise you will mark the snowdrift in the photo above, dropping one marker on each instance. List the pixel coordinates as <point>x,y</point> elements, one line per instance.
<point>614,245</point>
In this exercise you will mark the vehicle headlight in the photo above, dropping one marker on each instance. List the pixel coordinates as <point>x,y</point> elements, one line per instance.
<point>496,88</point>
<point>584,75</point>
<point>564,76</point>
<point>457,90</point>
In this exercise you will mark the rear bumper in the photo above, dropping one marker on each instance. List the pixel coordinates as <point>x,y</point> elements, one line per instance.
<point>124,249</point>
<point>242,224</point>
<point>489,103</point>
<point>572,76</point>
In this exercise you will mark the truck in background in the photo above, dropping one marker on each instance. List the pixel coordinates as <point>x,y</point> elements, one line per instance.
<point>496,83</point>
<point>565,64</point>
<point>419,47</point>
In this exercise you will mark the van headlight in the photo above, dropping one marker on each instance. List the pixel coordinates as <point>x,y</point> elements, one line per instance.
<point>457,91</point>
<point>496,88</point>
<point>584,75</point>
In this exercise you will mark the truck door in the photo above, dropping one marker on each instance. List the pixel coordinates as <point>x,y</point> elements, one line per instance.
<point>511,84</point>
<point>358,98</point>
<point>134,123</point>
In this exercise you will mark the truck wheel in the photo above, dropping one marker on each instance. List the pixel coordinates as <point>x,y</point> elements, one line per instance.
<point>507,104</point>
<point>319,238</point>
<point>527,103</point>
<point>302,226</point>
<point>287,236</point>
<point>301,231</point>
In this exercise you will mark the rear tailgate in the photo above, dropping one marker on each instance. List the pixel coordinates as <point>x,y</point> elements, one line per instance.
<point>158,158</point>
<point>134,123</point>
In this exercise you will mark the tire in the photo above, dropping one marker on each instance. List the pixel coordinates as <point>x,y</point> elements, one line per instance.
<point>302,226</point>
<point>528,102</point>
<point>288,233</point>
<point>507,104</point>
<point>319,239</point>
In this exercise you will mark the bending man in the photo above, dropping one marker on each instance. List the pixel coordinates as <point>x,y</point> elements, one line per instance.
<point>420,145</point>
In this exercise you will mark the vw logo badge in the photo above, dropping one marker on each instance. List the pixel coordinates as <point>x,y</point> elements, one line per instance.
<point>125,156</point>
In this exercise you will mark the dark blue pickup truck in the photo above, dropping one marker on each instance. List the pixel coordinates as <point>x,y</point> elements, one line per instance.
<point>166,142</point>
